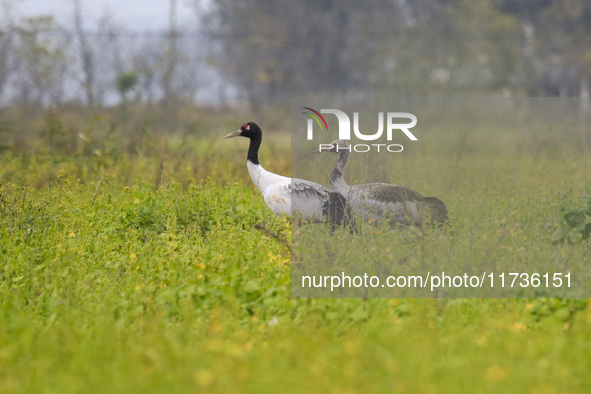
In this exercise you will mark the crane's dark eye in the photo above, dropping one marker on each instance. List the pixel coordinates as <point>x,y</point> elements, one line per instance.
<point>246,126</point>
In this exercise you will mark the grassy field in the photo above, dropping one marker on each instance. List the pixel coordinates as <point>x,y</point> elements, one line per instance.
<point>136,263</point>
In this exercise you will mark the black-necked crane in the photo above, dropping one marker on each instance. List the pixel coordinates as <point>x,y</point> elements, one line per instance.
<point>284,195</point>
<point>379,201</point>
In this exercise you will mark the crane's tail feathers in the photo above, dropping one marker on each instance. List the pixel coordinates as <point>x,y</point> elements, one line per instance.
<point>438,212</point>
<point>339,213</point>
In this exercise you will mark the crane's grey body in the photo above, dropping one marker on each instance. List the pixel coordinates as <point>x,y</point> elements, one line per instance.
<point>376,202</point>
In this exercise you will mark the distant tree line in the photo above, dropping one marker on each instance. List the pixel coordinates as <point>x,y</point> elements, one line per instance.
<point>266,51</point>
<point>43,63</point>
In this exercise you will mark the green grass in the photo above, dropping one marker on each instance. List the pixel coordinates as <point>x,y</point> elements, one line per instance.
<point>147,272</point>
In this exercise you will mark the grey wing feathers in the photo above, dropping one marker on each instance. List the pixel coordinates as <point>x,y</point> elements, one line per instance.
<point>385,193</point>
<point>397,204</point>
<point>302,188</point>
<point>404,205</point>
<point>332,205</point>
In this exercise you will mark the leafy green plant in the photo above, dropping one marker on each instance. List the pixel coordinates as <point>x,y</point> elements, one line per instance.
<point>164,271</point>
<point>562,309</point>
<point>575,217</point>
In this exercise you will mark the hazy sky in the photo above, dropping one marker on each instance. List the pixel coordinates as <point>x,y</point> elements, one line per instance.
<point>131,14</point>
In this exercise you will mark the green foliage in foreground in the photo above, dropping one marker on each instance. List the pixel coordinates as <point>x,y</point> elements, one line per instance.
<point>123,274</point>
<point>577,218</point>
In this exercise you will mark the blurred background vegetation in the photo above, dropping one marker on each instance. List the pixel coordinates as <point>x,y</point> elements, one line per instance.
<point>59,80</point>
<point>255,54</point>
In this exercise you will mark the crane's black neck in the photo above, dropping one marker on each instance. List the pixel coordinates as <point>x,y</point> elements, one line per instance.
<point>253,148</point>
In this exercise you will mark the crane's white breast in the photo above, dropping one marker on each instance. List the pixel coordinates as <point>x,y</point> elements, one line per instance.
<point>278,198</point>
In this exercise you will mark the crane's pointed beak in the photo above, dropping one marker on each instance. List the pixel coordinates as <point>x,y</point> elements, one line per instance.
<point>234,134</point>
<point>323,148</point>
